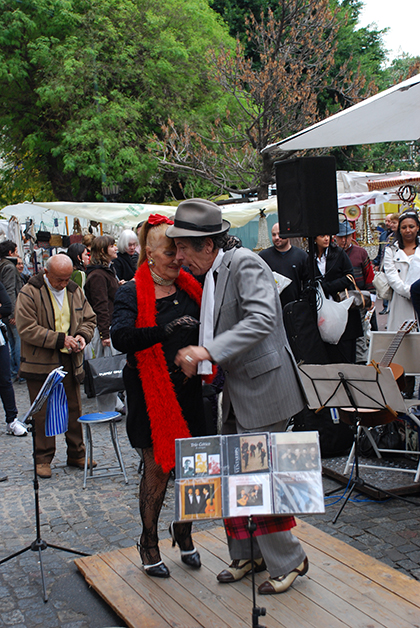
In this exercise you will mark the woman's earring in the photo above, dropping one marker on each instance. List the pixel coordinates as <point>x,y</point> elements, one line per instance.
<point>150,262</point>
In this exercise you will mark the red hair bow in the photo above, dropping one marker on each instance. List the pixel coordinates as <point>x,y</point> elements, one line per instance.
<point>158,219</point>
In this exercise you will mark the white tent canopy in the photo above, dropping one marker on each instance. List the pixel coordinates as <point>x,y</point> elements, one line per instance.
<point>126,215</point>
<point>390,116</point>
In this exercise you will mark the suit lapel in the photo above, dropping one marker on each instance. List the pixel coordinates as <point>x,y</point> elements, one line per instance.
<point>222,277</point>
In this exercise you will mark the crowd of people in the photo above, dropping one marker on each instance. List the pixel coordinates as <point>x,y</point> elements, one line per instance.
<point>186,303</point>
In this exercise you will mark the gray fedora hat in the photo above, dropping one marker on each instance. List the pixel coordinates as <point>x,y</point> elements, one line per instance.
<point>345,228</point>
<point>197,217</point>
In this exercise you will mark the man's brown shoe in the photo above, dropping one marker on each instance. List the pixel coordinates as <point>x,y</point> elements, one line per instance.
<point>282,583</point>
<point>79,463</point>
<point>43,470</point>
<point>239,568</point>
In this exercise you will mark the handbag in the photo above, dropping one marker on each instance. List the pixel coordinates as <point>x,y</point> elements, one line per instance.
<point>76,237</point>
<point>104,375</point>
<point>382,287</point>
<point>43,236</point>
<point>56,239</point>
<point>386,436</point>
<point>332,317</point>
<point>361,298</point>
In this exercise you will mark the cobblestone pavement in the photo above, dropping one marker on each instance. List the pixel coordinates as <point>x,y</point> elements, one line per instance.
<point>105,516</point>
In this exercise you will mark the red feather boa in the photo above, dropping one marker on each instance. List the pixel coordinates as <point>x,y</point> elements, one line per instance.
<point>166,420</point>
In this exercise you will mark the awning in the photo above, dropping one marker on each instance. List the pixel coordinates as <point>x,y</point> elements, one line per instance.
<point>386,184</point>
<point>390,116</point>
<point>127,215</point>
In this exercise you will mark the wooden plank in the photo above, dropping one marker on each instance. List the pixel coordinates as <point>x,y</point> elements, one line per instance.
<point>369,597</point>
<point>343,589</point>
<point>233,601</point>
<point>294,609</point>
<point>118,594</point>
<point>404,485</point>
<point>387,577</point>
<point>400,612</point>
<point>186,588</point>
<point>155,591</point>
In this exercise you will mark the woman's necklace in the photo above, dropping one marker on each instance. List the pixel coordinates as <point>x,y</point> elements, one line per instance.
<point>161,282</point>
<point>166,292</point>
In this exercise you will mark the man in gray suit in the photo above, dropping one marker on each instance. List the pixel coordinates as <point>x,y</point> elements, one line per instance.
<point>242,330</point>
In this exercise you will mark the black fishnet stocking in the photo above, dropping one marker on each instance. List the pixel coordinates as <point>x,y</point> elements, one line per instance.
<point>182,532</point>
<point>152,492</point>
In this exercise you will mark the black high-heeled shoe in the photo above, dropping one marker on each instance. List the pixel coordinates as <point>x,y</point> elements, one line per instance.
<point>189,557</point>
<point>156,570</point>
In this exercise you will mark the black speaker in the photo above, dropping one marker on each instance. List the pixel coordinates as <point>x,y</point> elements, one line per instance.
<point>307,196</point>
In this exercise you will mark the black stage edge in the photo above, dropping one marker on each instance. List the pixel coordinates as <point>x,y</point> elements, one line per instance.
<point>395,482</point>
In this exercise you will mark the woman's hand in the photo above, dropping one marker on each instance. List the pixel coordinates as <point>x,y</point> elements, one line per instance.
<point>184,322</point>
<point>106,342</point>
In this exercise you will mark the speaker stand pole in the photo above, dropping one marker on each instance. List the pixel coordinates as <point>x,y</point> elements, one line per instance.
<point>312,274</point>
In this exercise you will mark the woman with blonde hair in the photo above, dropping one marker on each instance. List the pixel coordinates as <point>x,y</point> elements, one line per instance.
<point>154,316</point>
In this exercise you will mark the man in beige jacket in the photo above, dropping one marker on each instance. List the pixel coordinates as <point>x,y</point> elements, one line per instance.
<point>55,322</point>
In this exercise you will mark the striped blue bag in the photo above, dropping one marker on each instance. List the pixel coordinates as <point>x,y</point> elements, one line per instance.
<point>57,414</point>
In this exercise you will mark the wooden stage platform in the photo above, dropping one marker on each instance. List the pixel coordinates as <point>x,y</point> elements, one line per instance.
<point>343,587</point>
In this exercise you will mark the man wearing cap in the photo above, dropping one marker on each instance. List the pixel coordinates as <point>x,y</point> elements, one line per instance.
<point>242,330</point>
<point>363,275</point>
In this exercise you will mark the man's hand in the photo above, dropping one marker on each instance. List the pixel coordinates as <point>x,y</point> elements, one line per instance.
<point>81,342</point>
<point>188,358</point>
<point>70,344</point>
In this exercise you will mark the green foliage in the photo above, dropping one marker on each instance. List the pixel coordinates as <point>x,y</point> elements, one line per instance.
<point>295,69</point>
<point>85,82</point>
<point>19,183</point>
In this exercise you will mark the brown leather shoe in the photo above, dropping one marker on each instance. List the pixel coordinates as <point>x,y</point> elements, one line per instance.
<point>282,583</point>
<point>80,463</point>
<point>43,470</point>
<point>239,568</point>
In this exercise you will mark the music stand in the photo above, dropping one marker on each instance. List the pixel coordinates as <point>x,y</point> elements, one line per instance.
<point>257,611</point>
<point>353,387</point>
<point>39,544</point>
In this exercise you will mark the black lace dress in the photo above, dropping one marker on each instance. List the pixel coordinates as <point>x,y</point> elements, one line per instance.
<point>127,339</point>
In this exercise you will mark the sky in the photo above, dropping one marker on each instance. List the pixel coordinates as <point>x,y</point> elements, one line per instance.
<point>403,19</point>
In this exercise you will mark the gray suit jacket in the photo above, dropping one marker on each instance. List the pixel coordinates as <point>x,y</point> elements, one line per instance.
<point>250,343</point>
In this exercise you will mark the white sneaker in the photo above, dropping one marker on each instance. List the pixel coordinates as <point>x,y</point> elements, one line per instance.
<point>16,428</point>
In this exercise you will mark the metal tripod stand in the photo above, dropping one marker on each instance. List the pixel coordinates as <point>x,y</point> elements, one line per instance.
<point>39,545</point>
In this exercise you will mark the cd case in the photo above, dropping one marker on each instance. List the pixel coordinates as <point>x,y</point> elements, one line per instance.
<point>297,473</point>
<point>198,457</point>
<point>246,453</point>
<point>246,474</point>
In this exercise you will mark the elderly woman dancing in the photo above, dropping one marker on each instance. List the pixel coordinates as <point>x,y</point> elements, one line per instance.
<point>154,317</point>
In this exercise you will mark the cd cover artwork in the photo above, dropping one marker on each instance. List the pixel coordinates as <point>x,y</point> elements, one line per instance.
<point>298,493</point>
<point>248,495</point>
<point>295,451</point>
<point>198,499</point>
<point>198,457</point>
<point>247,453</point>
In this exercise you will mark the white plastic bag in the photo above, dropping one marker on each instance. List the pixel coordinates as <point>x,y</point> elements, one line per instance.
<point>281,281</point>
<point>332,317</point>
